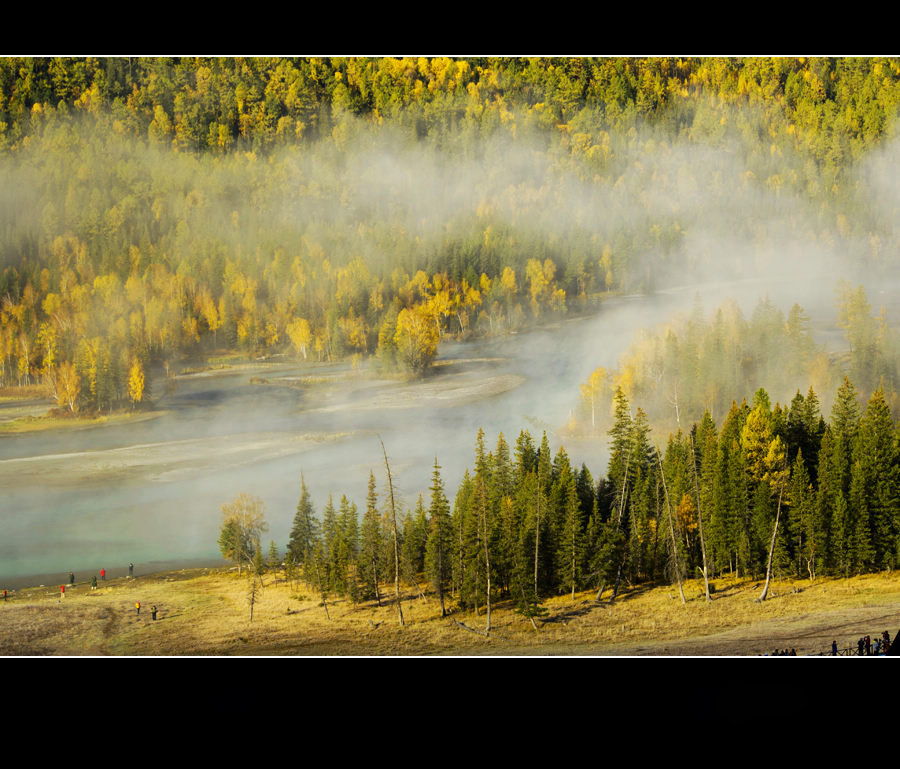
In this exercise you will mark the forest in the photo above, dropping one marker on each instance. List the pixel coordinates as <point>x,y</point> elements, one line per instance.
<point>158,212</point>
<point>695,364</point>
<point>768,492</point>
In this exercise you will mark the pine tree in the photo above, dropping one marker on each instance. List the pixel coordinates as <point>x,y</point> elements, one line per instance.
<point>502,490</point>
<point>802,523</point>
<point>570,548</point>
<point>370,559</point>
<point>273,561</point>
<point>462,512</point>
<point>840,540</point>
<point>348,528</point>
<point>876,477</point>
<point>619,473</point>
<point>330,564</point>
<point>415,537</point>
<point>438,549</point>
<point>305,545</point>
<point>304,532</point>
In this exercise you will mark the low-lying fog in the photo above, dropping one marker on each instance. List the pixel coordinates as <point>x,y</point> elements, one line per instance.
<point>151,492</point>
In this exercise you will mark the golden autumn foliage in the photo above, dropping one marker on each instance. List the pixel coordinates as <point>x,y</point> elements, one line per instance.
<point>416,338</point>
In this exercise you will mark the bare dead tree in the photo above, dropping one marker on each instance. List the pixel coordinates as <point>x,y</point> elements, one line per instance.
<point>395,533</point>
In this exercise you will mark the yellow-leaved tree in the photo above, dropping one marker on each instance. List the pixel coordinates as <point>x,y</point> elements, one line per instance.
<point>136,382</point>
<point>595,390</point>
<point>300,335</point>
<point>416,338</point>
<point>65,384</point>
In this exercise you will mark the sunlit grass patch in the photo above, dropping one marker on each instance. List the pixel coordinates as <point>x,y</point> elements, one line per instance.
<point>207,612</point>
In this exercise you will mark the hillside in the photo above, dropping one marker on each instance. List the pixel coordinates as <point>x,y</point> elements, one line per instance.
<point>205,612</point>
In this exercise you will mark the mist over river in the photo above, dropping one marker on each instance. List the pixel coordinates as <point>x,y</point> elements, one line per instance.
<point>150,492</point>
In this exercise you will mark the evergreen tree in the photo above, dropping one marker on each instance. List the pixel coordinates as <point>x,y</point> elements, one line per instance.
<point>462,505</point>
<point>370,546</point>
<point>438,549</point>
<point>570,544</point>
<point>415,537</point>
<point>348,553</point>
<point>803,524</point>
<point>876,480</point>
<point>304,533</point>
<point>330,546</point>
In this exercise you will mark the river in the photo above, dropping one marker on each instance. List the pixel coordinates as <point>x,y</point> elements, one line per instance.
<point>150,492</point>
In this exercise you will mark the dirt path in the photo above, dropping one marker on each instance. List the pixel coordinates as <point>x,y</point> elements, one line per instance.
<point>809,635</point>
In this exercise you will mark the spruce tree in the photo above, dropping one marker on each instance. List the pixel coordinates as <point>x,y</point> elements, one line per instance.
<point>330,557</point>
<point>348,551</point>
<point>877,479</point>
<point>462,512</point>
<point>370,546</point>
<point>570,544</point>
<point>415,537</point>
<point>304,532</point>
<point>438,548</point>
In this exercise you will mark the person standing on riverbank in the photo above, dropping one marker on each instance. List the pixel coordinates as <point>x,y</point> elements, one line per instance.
<point>103,575</point>
<point>138,607</point>
<point>130,570</point>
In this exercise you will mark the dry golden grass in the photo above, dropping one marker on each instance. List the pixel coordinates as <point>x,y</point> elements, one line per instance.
<point>22,392</point>
<point>31,423</point>
<point>206,612</point>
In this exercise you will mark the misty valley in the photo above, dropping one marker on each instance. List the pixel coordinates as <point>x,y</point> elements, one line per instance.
<point>604,321</point>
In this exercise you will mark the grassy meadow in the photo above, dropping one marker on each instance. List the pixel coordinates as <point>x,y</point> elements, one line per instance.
<point>206,612</point>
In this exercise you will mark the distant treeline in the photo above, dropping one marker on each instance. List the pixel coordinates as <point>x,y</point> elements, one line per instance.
<point>525,524</point>
<point>160,208</point>
<point>830,108</point>
<point>696,364</point>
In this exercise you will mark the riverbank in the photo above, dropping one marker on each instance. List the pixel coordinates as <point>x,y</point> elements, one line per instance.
<point>206,612</point>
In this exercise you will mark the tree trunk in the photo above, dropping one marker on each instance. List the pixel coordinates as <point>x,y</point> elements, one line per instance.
<point>615,591</point>
<point>315,558</point>
<point>574,564</point>
<point>671,527</point>
<point>537,530</point>
<point>765,591</point>
<point>441,577</point>
<point>321,588</point>
<point>487,563</point>
<point>699,518</point>
<point>396,539</point>
<point>375,580</point>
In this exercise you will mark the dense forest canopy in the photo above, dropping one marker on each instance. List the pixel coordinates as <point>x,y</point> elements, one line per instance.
<point>766,490</point>
<point>156,208</point>
<point>696,364</point>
